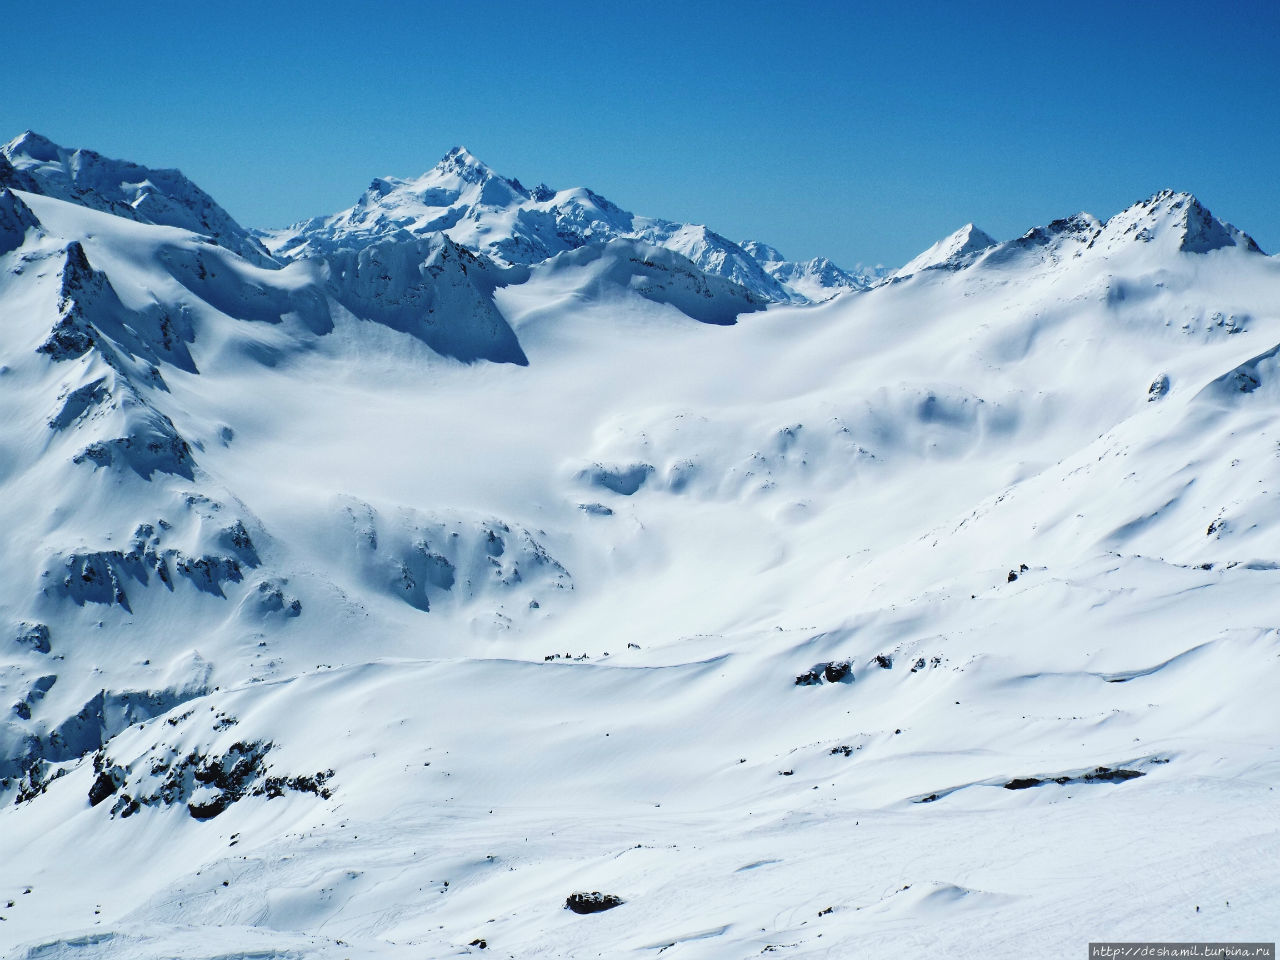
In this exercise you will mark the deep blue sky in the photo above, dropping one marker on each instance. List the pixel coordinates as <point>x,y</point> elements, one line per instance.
<point>857,131</point>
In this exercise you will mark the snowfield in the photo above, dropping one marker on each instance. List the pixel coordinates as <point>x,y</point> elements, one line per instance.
<point>372,592</point>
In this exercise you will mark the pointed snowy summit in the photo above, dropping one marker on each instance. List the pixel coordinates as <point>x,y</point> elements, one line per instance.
<point>460,166</point>
<point>1173,220</point>
<point>951,253</point>
<point>33,145</point>
<point>460,158</point>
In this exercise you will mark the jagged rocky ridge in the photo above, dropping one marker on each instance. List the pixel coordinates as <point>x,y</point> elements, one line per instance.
<point>511,224</point>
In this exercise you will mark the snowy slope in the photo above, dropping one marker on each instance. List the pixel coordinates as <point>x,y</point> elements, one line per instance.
<point>373,604</point>
<point>501,219</point>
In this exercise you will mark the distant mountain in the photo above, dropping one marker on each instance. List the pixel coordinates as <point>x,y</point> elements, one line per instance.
<point>1169,221</point>
<point>500,218</point>
<point>951,252</point>
<point>816,280</point>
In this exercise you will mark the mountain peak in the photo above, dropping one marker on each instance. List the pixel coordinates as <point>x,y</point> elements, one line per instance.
<point>462,155</point>
<point>763,252</point>
<point>457,173</point>
<point>33,145</point>
<point>951,252</point>
<point>1179,216</point>
<point>972,238</point>
<point>462,161</point>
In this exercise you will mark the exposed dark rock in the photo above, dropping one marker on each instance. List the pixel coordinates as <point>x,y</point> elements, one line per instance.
<point>593,902</point>
<point>91,314</point>
<point>837,670</point>
<point>76,402</point>
<point>208,572</point>
<point>16,218</point>
<point>1108,775</point>
<point>236,538</point>
<point>1097,775</point>
<point>884,661</point>
<point>104,786</point>
<point>271,598</point>
<point>151,446</point>
<point>207,784</point>
<point>208,809</point>
<point>125,806</point>
<point>34,636</point>
<point>279,786</point>
<point>67,340</point>
<point>36,776</point>
<point>1022,783</point>
<point>101,576</point>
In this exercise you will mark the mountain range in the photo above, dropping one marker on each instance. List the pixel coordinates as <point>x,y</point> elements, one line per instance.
<point>485,569</point>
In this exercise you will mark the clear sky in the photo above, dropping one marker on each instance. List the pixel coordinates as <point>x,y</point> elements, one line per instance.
<point>857,131</point>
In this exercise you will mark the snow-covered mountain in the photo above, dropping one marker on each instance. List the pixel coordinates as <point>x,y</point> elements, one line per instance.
<point>1171,221</point>
<point>951,252</point>
<point>510,224</point>
<point>399,597</point>
<point>36,164</point>
<point>816,280</point>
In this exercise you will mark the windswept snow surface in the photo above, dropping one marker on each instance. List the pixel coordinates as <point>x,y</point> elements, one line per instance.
<point>373,604</point>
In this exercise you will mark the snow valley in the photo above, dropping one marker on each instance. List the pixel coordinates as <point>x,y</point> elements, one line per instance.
<point>487,569</point>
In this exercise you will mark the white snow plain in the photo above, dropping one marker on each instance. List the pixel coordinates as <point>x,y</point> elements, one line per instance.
<point>392,595</point>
